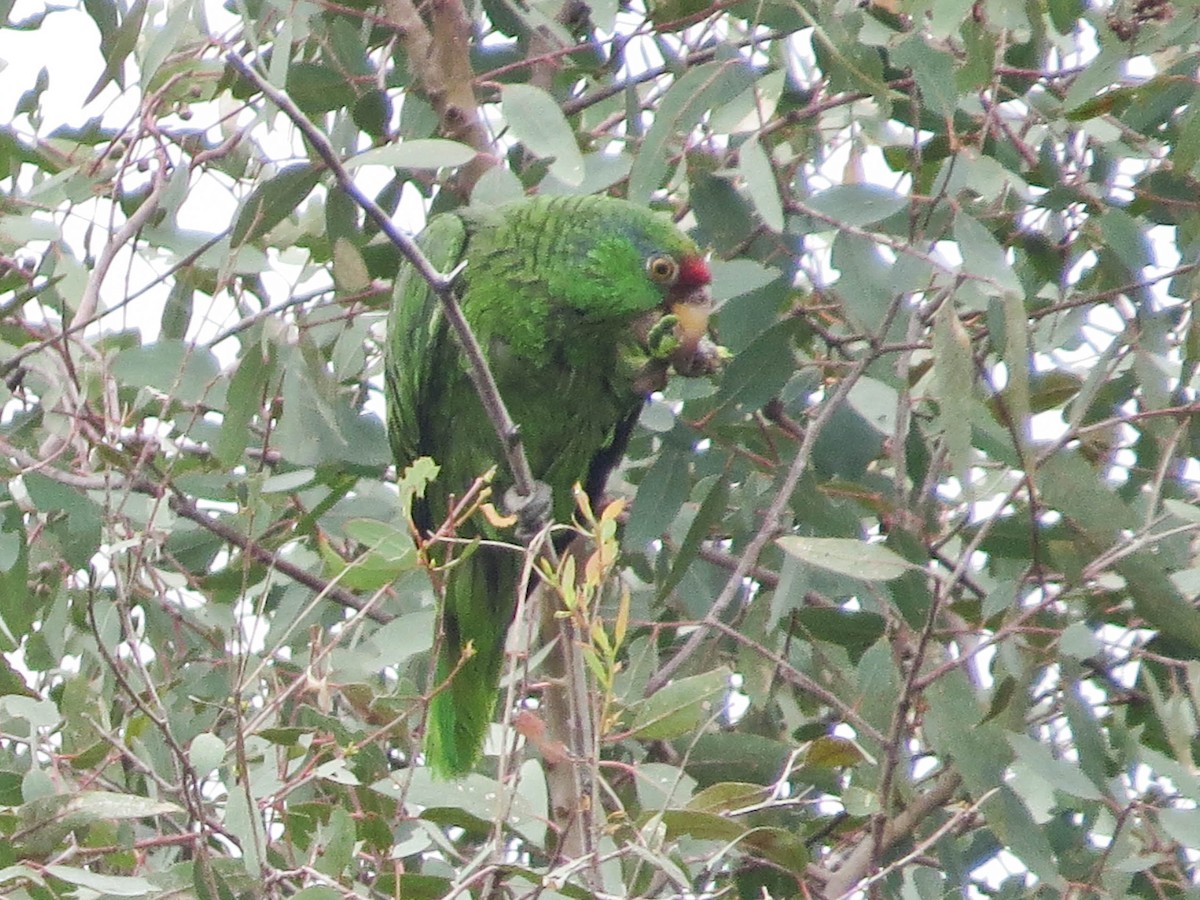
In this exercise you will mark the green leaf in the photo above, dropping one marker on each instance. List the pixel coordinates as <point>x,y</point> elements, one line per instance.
<point>1058,774</point>
<point>164,42</point>
<point>933,70</point>
<point>708,515</point>
<point>115,52</point>
<point>736,277</point>
<point>319,892</point>
<point>1125,238</point>
<point>954,376</point>
<point>38,713</point>
<point>724,756</point>
<point>317,88</point>
<point>80,532</point>
<point>867,284</point>
<point>205,753</point>
<point>244,823</point>
<point>701,89</point>
<point>832,752</point>
<point>846,556</point>
<point>1024,837</point>
<point>11,544</point>
<point>177,311</point>
<point>1069,484</point>
<point>1018,364</point>
<point>272,201</point>
<point>857,205</point>
<point>780,846</point>
<point>538,123</point>
<point>474,795</point>
<point>1065,14</point>
<point>728,797</point>
<point>758,174</point>
<point>243,400</point>
<point>287,482</point>
<point>379,536</point>
<point>1186,149</point>
<point>47,820</point>
<point>701,825</point>
<point>662,492</point>
<point>350,272</point>
<point>173,368</point>
<point>427,153</point>
<point>878,403</point>
<point>761,370</point>
<point>954,730</point>
<point>104,14</point>
<point>108,885</point>
<point>372,112</point>
<point>681,706</point>
<point>393,644</point>
<point>983,256</point>
<point>752,107</point>
<point>855,630</point>
<point>338,839</point>
<point>389,554</point>
<point>1182,825</point>
<point>322,423</point>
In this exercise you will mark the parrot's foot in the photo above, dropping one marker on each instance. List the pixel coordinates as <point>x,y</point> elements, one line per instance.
<point>688,358</point>
<point>662,340</point>
<point>532,510</point>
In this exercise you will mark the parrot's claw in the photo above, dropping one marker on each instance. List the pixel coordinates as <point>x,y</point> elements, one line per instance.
<point>532,510</point>
<point>662,340</point>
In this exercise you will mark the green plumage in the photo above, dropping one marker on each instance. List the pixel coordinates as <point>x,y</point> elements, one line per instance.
<point>554,289</point>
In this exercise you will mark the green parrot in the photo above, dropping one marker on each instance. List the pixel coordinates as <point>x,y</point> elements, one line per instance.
<point>581,305</point>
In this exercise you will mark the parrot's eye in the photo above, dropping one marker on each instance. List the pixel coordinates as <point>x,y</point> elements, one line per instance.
<point>662,269</point>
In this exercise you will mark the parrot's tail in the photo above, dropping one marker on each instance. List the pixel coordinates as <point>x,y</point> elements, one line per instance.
<point>478,607</point>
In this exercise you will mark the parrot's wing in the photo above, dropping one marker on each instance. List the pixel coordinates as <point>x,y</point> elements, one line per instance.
<point>419,346</point>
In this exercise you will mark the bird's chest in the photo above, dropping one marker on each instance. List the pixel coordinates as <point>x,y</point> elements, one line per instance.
<point>564,391</point>
<point>565,404</point>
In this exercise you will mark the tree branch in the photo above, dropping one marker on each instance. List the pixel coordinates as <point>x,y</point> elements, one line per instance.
<point>842,882</point>
<point>185,507</point>
<point>441,285</point>
<point>438,54</point>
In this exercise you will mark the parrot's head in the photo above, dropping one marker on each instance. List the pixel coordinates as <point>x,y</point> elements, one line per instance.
<point>684,278</point>
<point>606,264</point>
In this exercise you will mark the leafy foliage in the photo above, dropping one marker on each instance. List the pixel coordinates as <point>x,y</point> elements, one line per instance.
<point>904,597</point>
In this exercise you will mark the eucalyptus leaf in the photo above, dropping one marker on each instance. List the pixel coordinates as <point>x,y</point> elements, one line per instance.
<point>871,562</point>
<point>426,153</point>
<point>539,124</point>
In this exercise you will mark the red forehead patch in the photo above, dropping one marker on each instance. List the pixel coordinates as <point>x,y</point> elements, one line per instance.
<point>693,271</point>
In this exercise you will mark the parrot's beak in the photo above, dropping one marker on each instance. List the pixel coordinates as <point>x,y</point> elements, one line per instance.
<point>691,311</point>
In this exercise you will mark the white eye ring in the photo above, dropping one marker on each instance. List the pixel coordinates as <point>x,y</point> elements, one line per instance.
<point>662,269</point>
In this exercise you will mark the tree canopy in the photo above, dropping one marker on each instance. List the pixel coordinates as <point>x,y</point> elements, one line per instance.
<point>900,601</point>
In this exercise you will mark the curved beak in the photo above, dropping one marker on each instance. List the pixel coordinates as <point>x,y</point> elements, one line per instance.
<point>692,310</point>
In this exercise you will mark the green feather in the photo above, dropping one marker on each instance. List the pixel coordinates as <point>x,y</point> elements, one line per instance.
<point>551,289</point>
